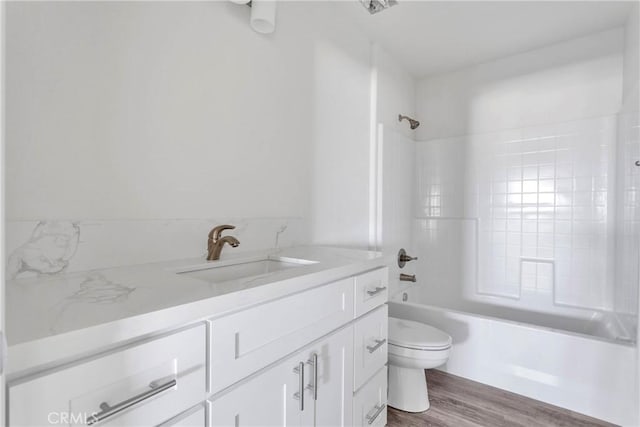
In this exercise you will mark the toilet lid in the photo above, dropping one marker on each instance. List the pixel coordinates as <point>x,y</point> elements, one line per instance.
<point>407,333</point>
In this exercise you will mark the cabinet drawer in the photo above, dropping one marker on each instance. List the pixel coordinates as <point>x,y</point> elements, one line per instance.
<point>371,290</point>
<point>370,403</point>
<point>195,417</point>
<point>370,345</point>
<point>143,384</point>
<point>247,341</point>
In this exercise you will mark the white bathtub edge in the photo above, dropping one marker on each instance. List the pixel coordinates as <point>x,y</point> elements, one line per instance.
<point>584,374</point>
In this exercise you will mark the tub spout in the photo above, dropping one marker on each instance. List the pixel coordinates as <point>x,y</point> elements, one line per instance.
<point>407,277</point>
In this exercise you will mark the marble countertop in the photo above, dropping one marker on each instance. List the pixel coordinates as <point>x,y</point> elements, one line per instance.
<point>51,319</point>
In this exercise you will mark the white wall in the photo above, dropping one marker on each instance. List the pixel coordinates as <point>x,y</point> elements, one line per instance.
<point>397,175</point>
<point>146,110</point>
<point>138,122</point>
<point>133,128</point>
<point>341,138</point>
<point>631,60</point>
<point>396,93</point>
<point>2,223</point>
<point>395,90</point>
<point>548,85</point>
<point>343,194</point>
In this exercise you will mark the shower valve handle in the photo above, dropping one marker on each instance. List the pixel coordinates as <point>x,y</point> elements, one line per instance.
<point>403,258</point>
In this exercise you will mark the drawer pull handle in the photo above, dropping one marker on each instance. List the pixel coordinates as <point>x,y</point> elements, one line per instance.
<point>314,387</point>
<point>107,411</point>
<point>379,343</point>
<point>378,410</point>
<point>376,291</point>
<point>299,395</point>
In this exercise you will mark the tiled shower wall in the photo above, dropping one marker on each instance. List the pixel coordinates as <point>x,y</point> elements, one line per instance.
<point>628,175</point>
<point>628,215</point>
<point>522,180</point>
<point>544,211</point>
<point>523,217</point>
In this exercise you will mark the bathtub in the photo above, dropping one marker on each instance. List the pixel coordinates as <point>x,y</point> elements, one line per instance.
<point>554,361</point>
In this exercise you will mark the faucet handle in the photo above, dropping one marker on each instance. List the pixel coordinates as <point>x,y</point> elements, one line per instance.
<point>403,258</point>
<point>214,234</point>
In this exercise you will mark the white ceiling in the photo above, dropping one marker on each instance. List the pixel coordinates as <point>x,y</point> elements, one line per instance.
<point>431,37</point>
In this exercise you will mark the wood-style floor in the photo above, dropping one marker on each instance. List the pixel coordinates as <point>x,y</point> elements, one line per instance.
<point>458,402</point>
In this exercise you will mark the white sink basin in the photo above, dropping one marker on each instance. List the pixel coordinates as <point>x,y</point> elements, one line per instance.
<point>241,269</point>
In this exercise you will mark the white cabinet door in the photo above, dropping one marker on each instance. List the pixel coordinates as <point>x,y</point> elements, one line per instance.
<point>262,401</point>
<point>272,397</point>
<point>330,380</point>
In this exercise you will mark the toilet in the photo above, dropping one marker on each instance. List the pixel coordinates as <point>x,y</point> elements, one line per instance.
<point>413,347</point>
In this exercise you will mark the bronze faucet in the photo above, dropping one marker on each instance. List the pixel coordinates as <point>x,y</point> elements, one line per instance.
<point>216,242</point>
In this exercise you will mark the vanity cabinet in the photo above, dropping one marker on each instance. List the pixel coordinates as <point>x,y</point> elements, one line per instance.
<point>312,358</point>
<point>309,388</point>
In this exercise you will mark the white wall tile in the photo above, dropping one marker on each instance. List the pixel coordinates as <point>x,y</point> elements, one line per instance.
<point>528,206</point>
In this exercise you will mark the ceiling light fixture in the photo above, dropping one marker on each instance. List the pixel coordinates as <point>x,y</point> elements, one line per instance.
<point>375,6</point>
<point>263,14</point>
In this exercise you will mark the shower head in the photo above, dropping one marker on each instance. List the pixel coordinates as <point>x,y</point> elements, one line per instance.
<point>375,6</point>
<point>413,123</point>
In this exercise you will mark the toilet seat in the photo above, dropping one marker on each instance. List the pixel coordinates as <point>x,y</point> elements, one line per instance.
<point>408,334</point>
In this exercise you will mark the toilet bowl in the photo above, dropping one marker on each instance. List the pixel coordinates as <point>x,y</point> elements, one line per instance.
<point>413,347</point>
